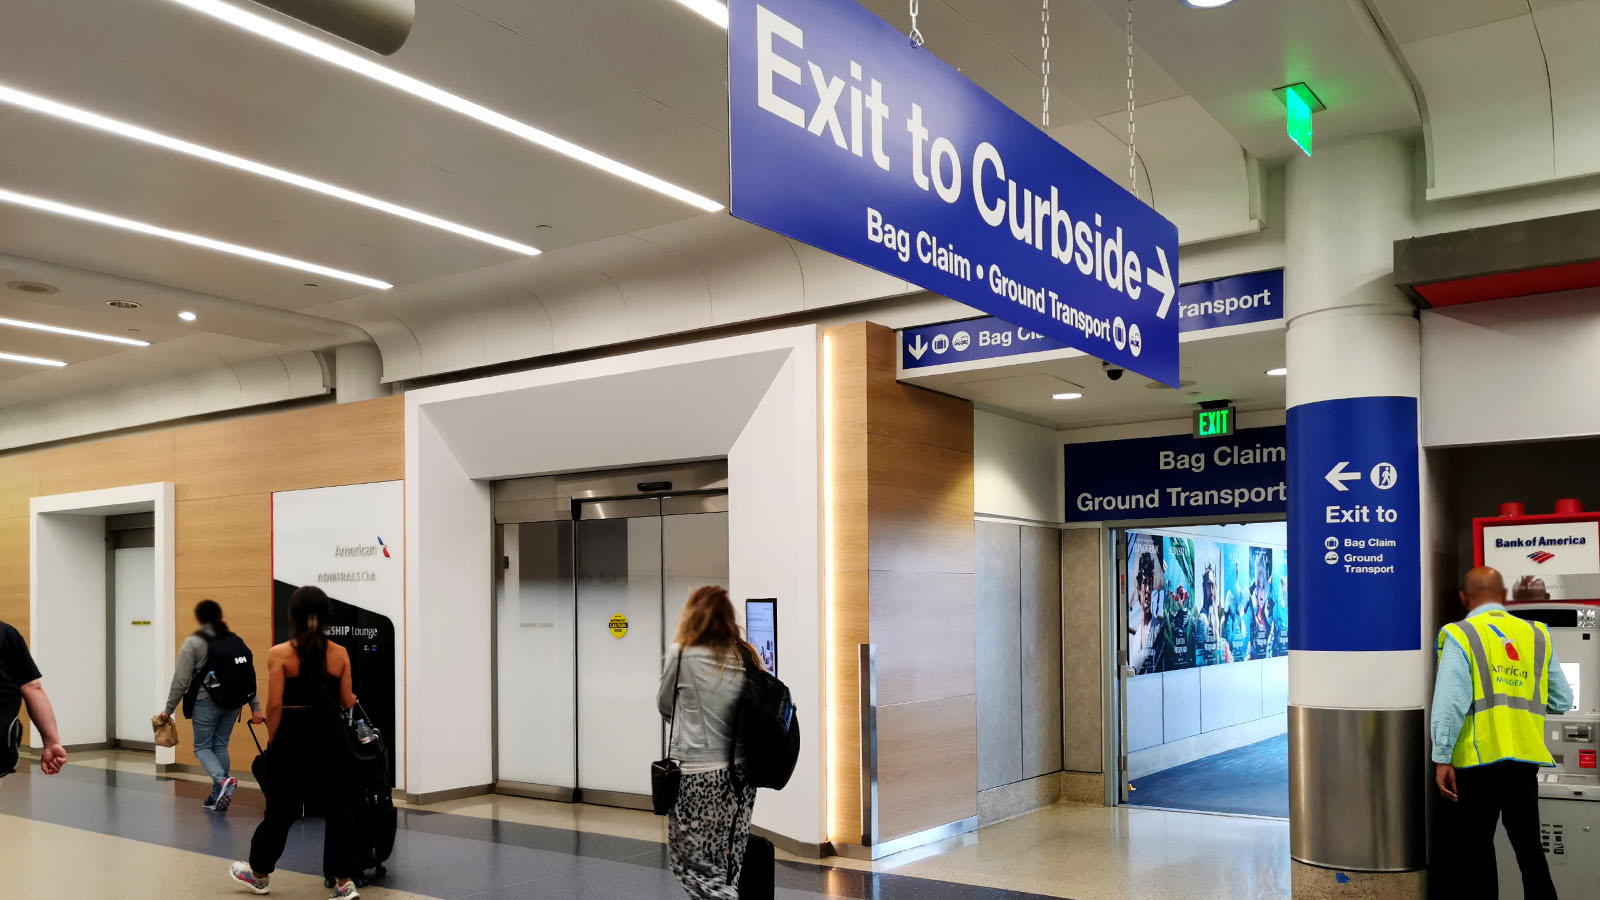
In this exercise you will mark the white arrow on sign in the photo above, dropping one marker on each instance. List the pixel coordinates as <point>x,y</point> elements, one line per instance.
<point>1337,476</point>
<point>1161,281</point>
<point>917,348</point>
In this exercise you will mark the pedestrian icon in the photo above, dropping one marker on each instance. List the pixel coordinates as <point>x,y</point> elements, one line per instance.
<point>1384,476</point>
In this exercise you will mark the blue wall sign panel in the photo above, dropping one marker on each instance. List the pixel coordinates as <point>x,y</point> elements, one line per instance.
<point>1177,476</point>
<point>846,137</point>
<point>1354,526</point>
<point>1239,300</point>
<point>1257,297</point>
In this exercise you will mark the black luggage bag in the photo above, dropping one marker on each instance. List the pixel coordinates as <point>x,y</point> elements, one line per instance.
<point>758,878</point>
<point>376,819</point>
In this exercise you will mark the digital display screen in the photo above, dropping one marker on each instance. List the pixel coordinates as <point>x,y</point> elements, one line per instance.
<point>761,630</point>
<point>1573,672</point>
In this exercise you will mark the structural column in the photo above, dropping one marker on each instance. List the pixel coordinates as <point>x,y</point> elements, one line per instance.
<point>1358,670</point>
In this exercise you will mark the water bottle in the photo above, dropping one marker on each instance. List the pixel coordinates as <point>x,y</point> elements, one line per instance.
<point>364,732</point>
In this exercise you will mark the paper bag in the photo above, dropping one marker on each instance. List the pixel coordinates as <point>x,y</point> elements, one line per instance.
<point>166,731</point>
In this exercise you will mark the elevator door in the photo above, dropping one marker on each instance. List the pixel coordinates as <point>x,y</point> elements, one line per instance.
<point>586,609</point>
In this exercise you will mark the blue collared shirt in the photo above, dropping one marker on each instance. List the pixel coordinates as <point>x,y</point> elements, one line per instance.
<point>1452,692</point>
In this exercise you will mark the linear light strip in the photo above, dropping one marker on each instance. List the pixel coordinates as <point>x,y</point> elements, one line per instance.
<point>713,11</point>
<point>31,360</point>
<point>72,332</point>
<point>144,135</point>
<point>834,727</point>
<point>184,237</point>
<point>344,59</point>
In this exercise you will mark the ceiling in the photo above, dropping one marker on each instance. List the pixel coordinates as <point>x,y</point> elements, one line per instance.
<point>1217,368</point>
<point>642,81</point>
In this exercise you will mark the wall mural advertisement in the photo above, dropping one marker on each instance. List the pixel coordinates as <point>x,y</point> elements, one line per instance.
<point>347,540</point>
<point>1196,602</point>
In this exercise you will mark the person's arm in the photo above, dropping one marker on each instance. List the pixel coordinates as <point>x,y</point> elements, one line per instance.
<point>275,680</point>
<point>1560,698</point>
<point>44,719</point>
<point>347,696</point>
<point>1452,699</point>
<point>190,656</point>
<point>669,683</point>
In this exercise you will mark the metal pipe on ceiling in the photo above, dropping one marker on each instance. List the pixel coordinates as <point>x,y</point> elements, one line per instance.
<point>381,26</point>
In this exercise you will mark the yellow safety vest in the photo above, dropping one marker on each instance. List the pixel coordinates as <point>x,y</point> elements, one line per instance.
<point>1509,657</point>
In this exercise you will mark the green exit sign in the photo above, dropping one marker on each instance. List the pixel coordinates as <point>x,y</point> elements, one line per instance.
<point>1299,102</point>
<point>1210,423</point>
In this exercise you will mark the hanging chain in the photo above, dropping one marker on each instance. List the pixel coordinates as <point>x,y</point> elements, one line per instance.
<point>916,33</point>
<point>1133,157</point>
<point>1044,68</point>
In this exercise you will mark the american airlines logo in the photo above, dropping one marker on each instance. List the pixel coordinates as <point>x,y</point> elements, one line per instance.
<point>1541,556</point>
<point>363,549</point>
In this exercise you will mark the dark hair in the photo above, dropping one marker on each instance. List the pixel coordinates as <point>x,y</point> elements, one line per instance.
<point>709,621</point>
<point>209,612</point>
<point>310,611</point>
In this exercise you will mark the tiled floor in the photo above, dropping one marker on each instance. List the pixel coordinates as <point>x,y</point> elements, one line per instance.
<point>1252,780</point>
<point>109,827</point>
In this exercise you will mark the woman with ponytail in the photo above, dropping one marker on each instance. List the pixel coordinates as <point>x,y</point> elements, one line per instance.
<point>308,686</point>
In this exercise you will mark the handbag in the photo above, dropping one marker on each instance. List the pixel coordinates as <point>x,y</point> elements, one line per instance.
<point>166,732</point>
<point>666,775</point>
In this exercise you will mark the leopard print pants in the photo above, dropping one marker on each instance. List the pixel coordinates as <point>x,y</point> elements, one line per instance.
<point>706,834</point>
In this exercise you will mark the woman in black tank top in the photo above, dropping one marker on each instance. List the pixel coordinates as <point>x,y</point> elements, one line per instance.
<point>308,758</point>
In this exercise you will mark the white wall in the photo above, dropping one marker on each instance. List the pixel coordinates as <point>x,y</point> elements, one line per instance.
<point>67,605</point>
<point>752,398</point>
<point>1517,369</point>
<point>1016,468</point>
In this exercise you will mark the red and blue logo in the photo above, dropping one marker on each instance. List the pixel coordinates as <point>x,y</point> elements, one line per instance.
<point>1541,556</point>
<point>385,548</point>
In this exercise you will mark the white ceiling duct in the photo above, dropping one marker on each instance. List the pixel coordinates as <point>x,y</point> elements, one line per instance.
<point>381,26</point>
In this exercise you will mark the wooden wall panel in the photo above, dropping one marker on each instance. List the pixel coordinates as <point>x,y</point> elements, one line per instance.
<point>224,473</point>
<point>133,459</point>
<point>922,624</point>
<point>351,443</point>
<point>921,506</point>
<point>927,772</point>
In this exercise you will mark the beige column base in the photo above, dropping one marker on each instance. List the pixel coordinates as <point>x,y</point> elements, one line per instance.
<point>1314,883</point>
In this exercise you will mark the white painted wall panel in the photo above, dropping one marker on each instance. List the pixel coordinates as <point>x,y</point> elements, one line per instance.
<point>1017,468</point>
<point>1180,704</point>
<point>1230,694</point>
<point>1144,712</point>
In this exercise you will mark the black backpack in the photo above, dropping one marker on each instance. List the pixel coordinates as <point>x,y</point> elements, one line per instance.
<point>228,674</point>
<point>10,724</point>
<point>768,729</point>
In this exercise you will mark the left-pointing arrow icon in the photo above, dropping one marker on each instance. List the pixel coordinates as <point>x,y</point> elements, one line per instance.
<point>1337,476</point>
<point>917,347</point>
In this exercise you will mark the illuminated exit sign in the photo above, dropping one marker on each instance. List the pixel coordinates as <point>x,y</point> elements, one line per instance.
<point>1210,423</point>
<point>1299,104</point>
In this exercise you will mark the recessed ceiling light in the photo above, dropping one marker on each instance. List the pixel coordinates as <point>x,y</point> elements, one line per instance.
<point>187,316</point>
<point>31,360</point>
<point>1278,372</point>
<point>183,237</point>
<point>71,332</point>
<point>714,11</point>
<point>1068,395</point>
<point>124,304</point>
<point>145,135</point>
<point>311,46</point>
<point>1206,4</point>
<point>33,287</point>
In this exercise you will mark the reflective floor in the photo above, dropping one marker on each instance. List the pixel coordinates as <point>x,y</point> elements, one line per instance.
<point>109,828</point>
<point>1252,780</point>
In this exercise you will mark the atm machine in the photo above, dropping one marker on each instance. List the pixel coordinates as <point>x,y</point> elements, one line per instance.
<point>1562,551</point>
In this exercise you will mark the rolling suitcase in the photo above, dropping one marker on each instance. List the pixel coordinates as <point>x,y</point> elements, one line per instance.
<point>376,819</point>
<point>757,880</point>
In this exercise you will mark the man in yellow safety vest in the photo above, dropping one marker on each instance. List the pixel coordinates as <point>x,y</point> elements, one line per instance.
<point>1498,676</point>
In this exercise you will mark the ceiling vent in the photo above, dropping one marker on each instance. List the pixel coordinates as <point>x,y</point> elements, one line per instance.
<point>381,26</point>
<point>124,304</point>
<point>33,287</point>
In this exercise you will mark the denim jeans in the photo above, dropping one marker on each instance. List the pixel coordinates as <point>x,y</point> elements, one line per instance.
<point>213,726</point>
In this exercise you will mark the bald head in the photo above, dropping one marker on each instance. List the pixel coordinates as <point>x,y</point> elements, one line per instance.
<point>1482,585</point>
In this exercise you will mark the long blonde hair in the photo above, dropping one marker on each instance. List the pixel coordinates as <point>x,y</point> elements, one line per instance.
<point>709,621</point>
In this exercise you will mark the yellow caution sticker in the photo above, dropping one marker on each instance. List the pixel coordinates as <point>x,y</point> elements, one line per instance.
<point>619,626</point>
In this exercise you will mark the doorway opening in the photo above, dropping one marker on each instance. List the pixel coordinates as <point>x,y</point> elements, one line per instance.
<point>1204,676</point>
<point>593,569</point>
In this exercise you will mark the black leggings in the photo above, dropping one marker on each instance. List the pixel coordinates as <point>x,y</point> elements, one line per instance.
<point>309,764</point>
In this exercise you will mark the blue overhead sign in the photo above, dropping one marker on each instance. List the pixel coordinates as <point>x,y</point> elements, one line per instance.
<point>1239,300</point>
<point>1177,476</point>
<point>845,136</point>
<point>1354,526</point>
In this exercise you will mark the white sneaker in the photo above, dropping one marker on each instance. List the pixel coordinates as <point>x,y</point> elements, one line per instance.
<point>242,875</point>
<point>225,795</point>
<point>346,891</point>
